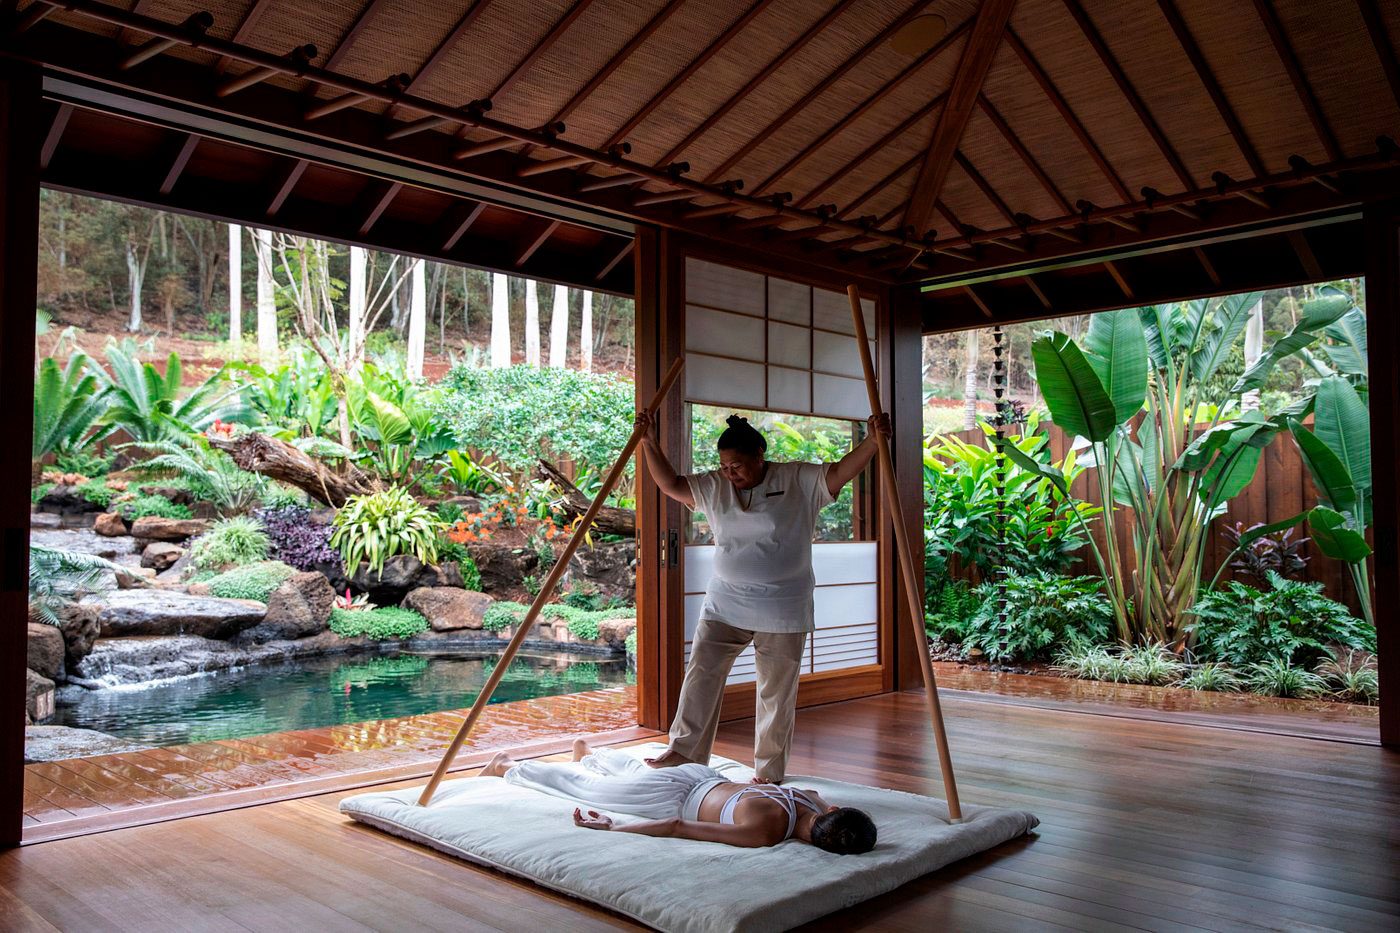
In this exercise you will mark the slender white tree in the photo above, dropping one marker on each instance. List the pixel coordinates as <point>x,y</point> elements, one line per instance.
<point>559,329</point>
<point>1253,349</point>
<point>417,319</point>
<point>267,302</point>
<point>359,260</point>
<point>970,381</point>
<point>585,335</point>
<point>235,284</point>
<point>532,324</point>
<point>500,321</point>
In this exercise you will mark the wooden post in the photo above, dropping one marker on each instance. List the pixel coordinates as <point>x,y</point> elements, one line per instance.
<point>546,589</point>
<point>21,128</point>
<point>906,563</point>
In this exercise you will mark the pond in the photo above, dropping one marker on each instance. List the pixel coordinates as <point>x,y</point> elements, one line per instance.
<point>326,691</point>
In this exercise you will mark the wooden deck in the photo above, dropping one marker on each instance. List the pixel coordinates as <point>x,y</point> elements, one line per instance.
<point>76,795</point>
<point>1144,825</point>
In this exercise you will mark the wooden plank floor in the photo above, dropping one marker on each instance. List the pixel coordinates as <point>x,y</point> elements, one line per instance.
<point>1144,825</point>
<point>73,795</point>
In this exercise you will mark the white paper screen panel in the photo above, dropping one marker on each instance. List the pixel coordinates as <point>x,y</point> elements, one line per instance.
<point>790,301</point>
<point>709,331</point>
<point>789,389</point>
<point>832,311</point>
<point>839,397</point>
<point>728,382</point>
<point>846,606</point>
<point>790,346</point>
<point>717,286</point>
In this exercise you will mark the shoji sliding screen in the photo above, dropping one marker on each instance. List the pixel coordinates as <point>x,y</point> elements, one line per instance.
<point>784,355</point>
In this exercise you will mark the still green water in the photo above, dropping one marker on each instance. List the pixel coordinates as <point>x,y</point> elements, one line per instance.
<point>315,692</point>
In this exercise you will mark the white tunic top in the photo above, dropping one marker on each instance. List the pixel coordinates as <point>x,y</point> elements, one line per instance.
<point>763,578</point>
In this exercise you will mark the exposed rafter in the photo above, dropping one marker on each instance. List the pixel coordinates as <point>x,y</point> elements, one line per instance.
<point>537,242</point>
<point>1380,38</point>
<point>177,165</point>
<point>285,186</point>
<point>352,35</point>
<point>899,172</point>
<point>1091,33</point>
<point>982,185</point>
<point>878,146</point>
<point>982,44</point>
<point>246,27</point>
<point>1284,48</point>
<point>612,263</point>
<point>55,134</point>
<point>376,200</point>
<point>459,221</point>
<point>1020,149</point>
<point>546,42</point>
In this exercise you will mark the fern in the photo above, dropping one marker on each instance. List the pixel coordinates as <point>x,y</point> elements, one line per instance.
<point>209,474</point>
<point>67,406</point>
<point>58,577</point>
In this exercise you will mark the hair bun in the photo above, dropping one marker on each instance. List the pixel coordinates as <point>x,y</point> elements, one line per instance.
<point>735,421</point>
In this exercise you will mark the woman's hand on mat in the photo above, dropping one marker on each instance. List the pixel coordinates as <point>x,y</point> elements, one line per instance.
<point>593,819</point>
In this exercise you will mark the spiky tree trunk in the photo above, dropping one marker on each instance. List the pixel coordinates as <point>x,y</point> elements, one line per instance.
<point>417,320</point>
<point>559,329</point>
<point>532,324</point>
<point>135,273</point>
<point>235,285</point>
<point>585,334</point>
<point>500,321</point>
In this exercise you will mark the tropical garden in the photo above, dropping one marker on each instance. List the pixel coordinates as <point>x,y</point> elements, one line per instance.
<point>1092,531</point>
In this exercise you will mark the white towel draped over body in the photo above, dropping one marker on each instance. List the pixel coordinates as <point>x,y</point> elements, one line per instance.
<point>610,779</point>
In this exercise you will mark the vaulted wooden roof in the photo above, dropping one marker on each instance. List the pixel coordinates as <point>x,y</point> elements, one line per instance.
<point>922,141</point>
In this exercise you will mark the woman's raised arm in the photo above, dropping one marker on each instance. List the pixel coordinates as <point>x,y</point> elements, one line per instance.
<point>660,468</point>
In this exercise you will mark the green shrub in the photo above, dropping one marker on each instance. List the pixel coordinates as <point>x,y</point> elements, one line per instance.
<point>277,496</point>
<point>450,551</point>
<point>449,513</point>
<point>1042,612</point>
<point>234,541</point>
<point>1352,676</point>
<point>84,464</point>
<point>377,526</point>
<point>1293,621</point>
<point>207,473</point>
<point>97,492</point>
<point>39,492</point>
<point>948,608</point>
<point>1212,675</point>
<point>1153,665</point>
<point>1278,678</point>
<point>503,615</point>
<point>632,643</point>
<point>384,622</point>
<point>151,507</point>
<point>531,584</point>
<point>250,581</point>
<point>582,623</point>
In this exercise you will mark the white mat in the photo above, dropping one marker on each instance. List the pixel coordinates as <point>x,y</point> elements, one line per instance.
<point>680,884</point>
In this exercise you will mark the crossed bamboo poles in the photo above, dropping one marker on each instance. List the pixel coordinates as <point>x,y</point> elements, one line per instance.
<point>580,532</point>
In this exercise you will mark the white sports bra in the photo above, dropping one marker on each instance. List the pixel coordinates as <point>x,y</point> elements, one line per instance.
<point>787,797</point>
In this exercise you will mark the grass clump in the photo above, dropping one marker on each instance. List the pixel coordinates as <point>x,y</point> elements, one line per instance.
<point>231,541</point>
<point>151,507</point>
<point>381,623</point>
<point>1278,678</point>
<point>250,581</point>
<point>1213,676</point>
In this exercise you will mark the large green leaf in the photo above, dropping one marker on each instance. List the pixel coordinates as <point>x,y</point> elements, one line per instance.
<point>1154,332</point>
<point>1224,437</point>
<point>1077,400</point>
<point>1344,425</point>
<point>1330,476</point>
<point>1229,320</point>
<point>1317,315</point>
<point>1334,538</point>
<point>1117,350</point>
<point>1349,352</point>
<point>1032,465</point>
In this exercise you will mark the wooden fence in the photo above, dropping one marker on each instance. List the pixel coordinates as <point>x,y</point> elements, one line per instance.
<point>1281,489</point>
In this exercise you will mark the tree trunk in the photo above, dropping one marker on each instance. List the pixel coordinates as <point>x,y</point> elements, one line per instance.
<point>585,335</point>
<point>135,271</point>
<point>417,319</point>
<point>970,381</point>
<point>532,324</point>
<point>267,301</point>
<point>559,329</point>
<point>500,321</point>
<point>259,453</point>
<point>1253,349</point>
<point>358,261</point>
<point>610,520</point>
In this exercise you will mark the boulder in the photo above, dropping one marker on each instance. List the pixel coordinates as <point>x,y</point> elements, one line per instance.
<point>154,528</point>
<point>614,632</point>
<point>79,626</point>
<point>38,698</point>
<point>83,541</point>
<point>301,606</point>
<point>56,743</point>
<point>135,578</point>
<point>166,612</point>
<point>161,555</point>
<point>45,520</point>
<point>110,525</point>
<point>449,607</point>
<point>175,494</point>
<point>143,658</point>
<point>66,500</point>
<point>45,649</point>
<point>611,567</point>
<point>175,572</point>
<point>501,567</point>
<point>467,504</point>
<point>403,573</point>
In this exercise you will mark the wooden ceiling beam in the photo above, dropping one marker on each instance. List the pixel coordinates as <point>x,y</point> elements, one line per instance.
<point>621,255</point>
<point>245,29</point>
<point>977,300</point>
<point>1298,240</point>
<point>1091,33</point>
<point>177,165</point>
<point>461,220</point>
<point>1269,16</point>
<point>285,186</point>
<point>1020,149</point>
<point>755,141</point>
<point>987,190</point>
<point>1212,86</point>
<point>1118,279</point>
<point>899,172</point>
<point>695,64</point>
<point>440,51</point>
<point>541,47</point>
<point>377,198</point>
<point>878,146</point>
<point>1380,38</point>
<point>993,17</point>
<point>1206,265</point>
<point>738,96</point>
<point>55,134</point>
<point>864,107</point>
<point>352,35</point>
<point>1081,132</point>
<point>539,241</point>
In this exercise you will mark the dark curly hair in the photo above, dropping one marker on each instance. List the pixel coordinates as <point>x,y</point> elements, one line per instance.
<point>743,437</point>
<point>845,831</point>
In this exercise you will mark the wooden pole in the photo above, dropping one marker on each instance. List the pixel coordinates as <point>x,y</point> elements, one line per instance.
<point>906,565</point>
<point>547,588</point>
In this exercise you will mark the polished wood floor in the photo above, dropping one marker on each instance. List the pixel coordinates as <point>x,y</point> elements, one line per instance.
<point>1144,825</point>
<point>75,795</point>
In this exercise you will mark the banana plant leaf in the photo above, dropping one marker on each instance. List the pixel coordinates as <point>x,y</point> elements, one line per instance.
<point>1334,539</point>
<point>1032,465</point>
<point>1317,315</point>
<point>1117,350</point>
<point>1155,332</point>
<point>1334,484</point>
<point>1344,425</point>
<point>1349,352</point>
<point>1229,320</point>
<point>1224,438</point>
<point>1077,400</point>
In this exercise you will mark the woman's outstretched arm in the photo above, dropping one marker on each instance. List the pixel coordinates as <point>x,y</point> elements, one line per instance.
<point>849,466</point>
<point>660,468</point>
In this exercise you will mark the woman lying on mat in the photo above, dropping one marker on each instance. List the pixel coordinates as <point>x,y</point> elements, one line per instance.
<point>689,801</point>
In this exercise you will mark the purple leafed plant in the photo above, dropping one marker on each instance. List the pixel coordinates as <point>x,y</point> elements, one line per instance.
<point>296,540</point>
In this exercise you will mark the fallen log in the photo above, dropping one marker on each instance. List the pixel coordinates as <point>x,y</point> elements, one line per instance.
<point>610,520</point>
<point>276,459</point>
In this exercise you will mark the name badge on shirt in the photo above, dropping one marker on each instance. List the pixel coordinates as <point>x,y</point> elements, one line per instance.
<point>769,495</point>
